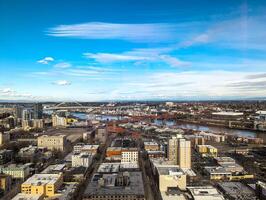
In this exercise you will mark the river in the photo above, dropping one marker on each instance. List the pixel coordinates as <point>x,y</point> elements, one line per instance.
<point>169,123</point>
<point>215,129</point>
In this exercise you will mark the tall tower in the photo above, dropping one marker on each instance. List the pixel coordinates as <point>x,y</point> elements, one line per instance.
<point>37,111</point>
<point>184,154</point>
<point>179,151</point>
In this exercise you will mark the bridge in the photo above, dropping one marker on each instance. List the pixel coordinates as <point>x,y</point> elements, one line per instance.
<point>72,106</point>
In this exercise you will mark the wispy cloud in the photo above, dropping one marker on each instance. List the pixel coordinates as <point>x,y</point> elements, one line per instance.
<point>256,76</point>
<point>139,55</point>
<point>62,82</point>
<point>62,65</point>
<point>46,60</point>
<point>8,93</point>
<point>131,32</point>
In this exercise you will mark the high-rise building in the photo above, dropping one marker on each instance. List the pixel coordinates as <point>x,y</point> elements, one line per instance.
<point>18,112</point>
<point>26,114</point>
<point>172,147</point>
<point>184,154</point>
<point>4,138</point>
<point>179,151</point>
<point>37,111</point>
<point>59,121</point>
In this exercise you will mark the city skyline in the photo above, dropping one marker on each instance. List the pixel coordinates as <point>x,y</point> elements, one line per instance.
<point>128,50</point>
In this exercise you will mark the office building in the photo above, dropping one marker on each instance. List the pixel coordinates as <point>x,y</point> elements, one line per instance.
<point>52,142</point>
<point>88,148</point>
<point>58,121</point>
<point>179,151</point>
<point>115,186</point>
<point>37,111</point>
<point>5,156</point>
<point>42,184</point>
<point>5,182</point>
<point>151,146</point>
<point>4,138</point>
<point>101,134</point>
<point>205,193</point>
<point>27,114</point>
<point>130,155</point>
<point>82,159</point>
<point>22,196</point>
<point>236,191</point>
<point>207,150</point>
<point>16,171</point>
<point>37,123</point>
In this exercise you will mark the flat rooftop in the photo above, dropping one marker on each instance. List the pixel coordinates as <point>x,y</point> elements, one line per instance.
<point>135,186</point>
<point>237,190</point>
<point>151,143</point>
<point>42,179</point>
<point>169,170</point>
<point>50,168</point>
<point>22,196</point>
<point>225,160</point>
<point>205,193</point>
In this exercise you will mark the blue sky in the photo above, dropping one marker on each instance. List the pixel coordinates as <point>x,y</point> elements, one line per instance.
<point>132,50</point>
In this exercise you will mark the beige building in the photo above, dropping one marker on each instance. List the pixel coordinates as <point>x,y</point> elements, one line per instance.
<point>130,155</point>
<point>42,184</point>
<point>172,146</point>
<point>101,134</point>
<point>52,142</point>
<point>5,182</point>
<point>179,151</point>
<point>37,123</point>
<point>4,138</point>
<point>151,146</point>
<point>59,121</point>
<point>207,150</point>
<point>184,154</point>
<point>171,176</point>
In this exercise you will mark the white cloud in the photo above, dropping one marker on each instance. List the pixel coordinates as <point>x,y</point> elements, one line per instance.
<point>62,82</point>
<point>62,65</point>
<point>190,85</point>
<point>130,32</point>
<point>10,94</point>
<point>138,55</point>
<point>173,62</point>
<point>109,57</point>
<point>46,60</point>
<point>6,91</point>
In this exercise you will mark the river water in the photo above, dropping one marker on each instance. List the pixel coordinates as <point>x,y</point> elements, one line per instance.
<point>214,129</point>
<point>184,125</point>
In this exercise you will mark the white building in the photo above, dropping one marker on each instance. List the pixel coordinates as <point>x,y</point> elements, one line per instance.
<point>16,171</point>
<point>55,142</point>
<point>130,155</point>
<point>205,193</point>
<point>59,121</point>
<point>82,159</point>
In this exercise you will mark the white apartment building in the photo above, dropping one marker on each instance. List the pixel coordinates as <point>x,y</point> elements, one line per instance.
<point>59,121</point>
<point>82,159</point>
<point>52,142</point>
<point>16,171</point>
<point>130,155</point>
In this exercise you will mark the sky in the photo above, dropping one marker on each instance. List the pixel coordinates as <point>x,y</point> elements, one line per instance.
<point>107,50</point>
